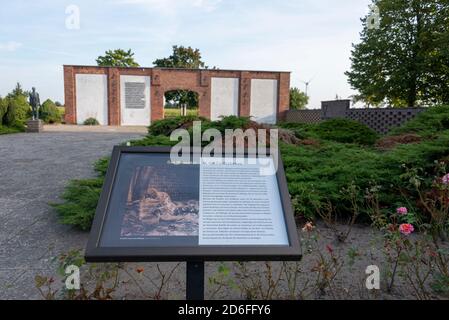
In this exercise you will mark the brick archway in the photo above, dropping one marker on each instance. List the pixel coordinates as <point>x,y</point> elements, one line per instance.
<point>169,80</point>
<point>198,95</point>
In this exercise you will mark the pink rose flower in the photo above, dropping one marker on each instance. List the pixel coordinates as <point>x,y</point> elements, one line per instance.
<point>406,229</point>
<point>402,211</point>
<point>445,179</point>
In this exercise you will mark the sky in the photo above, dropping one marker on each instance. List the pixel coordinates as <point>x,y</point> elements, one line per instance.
<point>310,38</point>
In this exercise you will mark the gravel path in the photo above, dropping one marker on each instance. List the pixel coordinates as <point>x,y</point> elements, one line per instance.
<point>34,168</point>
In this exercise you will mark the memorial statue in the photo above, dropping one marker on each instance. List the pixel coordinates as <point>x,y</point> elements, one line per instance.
<point>35,103</point>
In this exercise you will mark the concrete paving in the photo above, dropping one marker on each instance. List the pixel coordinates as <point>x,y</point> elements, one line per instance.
<point>101,129</point>
<point>34,169</point>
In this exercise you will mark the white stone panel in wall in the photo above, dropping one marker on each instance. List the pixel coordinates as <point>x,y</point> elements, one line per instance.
<point>224,97</point>
<point>264,100</point>
<point>133,112</point>
<point>92,98</point>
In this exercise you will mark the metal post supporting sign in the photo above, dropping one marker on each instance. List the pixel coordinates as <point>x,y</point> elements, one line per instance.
<point>195,280</point>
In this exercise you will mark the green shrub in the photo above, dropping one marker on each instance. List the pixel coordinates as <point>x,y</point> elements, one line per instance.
<point>166,126</point>
<point>17,112</point>
<point>229,122</point>
<point>3,109</point>
<point>427,123</point>
<point>338,130</point>
<point>10,122</point>
<point>345,131</point>
<point>49,112</point>
<point>61,111</point>
<point>301,130</point>
<point>317,175</point>
<point>91,122</point>
<point>81,197</point>
<point>153,141</point>
<point>101,166</point>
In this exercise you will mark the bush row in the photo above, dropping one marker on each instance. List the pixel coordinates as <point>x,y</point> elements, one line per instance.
<point>14,111</point>
<point>49,112</point>
<point>342,169</point>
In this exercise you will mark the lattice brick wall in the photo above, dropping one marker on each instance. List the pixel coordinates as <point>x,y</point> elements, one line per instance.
<point>380,120</point>
<point>303,116</point>
<point>383,120</point>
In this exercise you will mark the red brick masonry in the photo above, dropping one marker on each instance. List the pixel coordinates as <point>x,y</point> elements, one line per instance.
<point>163,80</point>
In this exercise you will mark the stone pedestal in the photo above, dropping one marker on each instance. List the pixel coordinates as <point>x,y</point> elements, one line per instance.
<point>35,126</point>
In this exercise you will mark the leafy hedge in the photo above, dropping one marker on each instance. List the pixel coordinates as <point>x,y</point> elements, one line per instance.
<point>91,122</point>
<point>14,111</point>
<point>49,112</point>
<point>318,174</point>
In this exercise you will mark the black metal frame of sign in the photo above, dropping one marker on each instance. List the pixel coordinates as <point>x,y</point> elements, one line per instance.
<point>195,256</point>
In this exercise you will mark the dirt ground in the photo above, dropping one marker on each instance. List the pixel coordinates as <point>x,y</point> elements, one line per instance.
<point>271,280</point>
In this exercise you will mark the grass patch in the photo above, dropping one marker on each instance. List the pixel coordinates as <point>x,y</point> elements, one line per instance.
<point>9,130</point>
<point>175,112</point>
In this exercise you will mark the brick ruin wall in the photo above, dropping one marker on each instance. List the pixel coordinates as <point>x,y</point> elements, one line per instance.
<point>163,80</point>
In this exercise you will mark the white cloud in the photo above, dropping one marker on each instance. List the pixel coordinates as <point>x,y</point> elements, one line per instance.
<point>171,7</point>
<point>208,5</point>
<point>10,46</point>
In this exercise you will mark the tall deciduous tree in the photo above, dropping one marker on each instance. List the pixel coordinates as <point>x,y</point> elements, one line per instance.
<point>117,58</point>
<point>185,58</point>
<point>404,59</point>
<point>298,99</point>
<point>182,57</point>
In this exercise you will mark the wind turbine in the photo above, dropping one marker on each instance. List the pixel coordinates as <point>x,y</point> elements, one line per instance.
<point>307,83</point>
